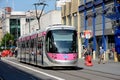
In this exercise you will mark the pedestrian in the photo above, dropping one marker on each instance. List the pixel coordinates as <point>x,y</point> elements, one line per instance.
<point>16,52</point>
<point>91,51</point>
<point>101,56</point>
<point>85,52</point>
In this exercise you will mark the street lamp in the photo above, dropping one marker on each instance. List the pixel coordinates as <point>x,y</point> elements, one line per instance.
<point>5,40</point>
<point>38,16</point>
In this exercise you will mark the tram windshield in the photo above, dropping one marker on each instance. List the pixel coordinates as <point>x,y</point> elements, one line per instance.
<point>61,41</point>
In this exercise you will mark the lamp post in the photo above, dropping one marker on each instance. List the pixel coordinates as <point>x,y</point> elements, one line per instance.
<point>5,40</point>
<point>38,16</point>
<point>5,12</point>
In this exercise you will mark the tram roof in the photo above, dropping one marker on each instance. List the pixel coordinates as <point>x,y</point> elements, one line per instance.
<point>56,26</point>
<point>44,29</point>
<point>61,27</point>
<point>51,27</point>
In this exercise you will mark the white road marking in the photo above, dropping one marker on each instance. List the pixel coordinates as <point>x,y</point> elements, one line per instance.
<point>58,78</point>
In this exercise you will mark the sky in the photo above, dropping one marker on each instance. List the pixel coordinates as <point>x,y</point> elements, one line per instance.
<point>26,5</point>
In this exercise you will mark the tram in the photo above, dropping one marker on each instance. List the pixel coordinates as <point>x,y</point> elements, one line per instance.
<point>55,45</point>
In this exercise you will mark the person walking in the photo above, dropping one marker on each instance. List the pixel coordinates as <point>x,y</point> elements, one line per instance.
<point>101,56</point>
<point>85,52</point>
<point>16,52</point>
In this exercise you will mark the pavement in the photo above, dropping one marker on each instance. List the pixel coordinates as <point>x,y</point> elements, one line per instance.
<point>109,67</point>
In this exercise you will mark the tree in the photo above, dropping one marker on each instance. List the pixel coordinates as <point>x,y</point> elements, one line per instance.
<point>7,40</point>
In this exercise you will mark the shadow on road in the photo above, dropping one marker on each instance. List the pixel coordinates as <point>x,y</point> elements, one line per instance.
<point>63,68</point>
<point>9,72</point>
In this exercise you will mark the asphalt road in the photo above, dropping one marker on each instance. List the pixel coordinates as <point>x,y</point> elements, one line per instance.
<point>9,72</point>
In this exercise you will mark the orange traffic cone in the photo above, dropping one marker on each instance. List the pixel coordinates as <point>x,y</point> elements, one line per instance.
<point>88,61</point>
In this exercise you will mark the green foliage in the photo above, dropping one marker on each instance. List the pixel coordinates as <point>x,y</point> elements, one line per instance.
<point>8,39</point>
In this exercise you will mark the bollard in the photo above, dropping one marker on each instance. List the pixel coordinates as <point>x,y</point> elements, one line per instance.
<point>94,55</point>
<point>115,57</point>
<point>88,60</point>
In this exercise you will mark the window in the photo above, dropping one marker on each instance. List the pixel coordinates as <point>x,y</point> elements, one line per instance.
<point>40,42</point>
<point>15,27</point>
<point>61,41</point>
<point>32,43</point>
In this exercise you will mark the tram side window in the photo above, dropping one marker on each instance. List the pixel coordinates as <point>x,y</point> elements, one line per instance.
<point>32,43</point>
<point>74,43</point>
<point>23,45</point>
<point>27,44</point>
<point>40,45</point>
<point>51,49</point>
<point>35,43</point>
<point>49,42</point>
<point>39,42</point>
<point>19,45</point>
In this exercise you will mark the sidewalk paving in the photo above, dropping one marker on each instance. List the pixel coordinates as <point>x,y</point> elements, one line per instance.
<point>109,67</point>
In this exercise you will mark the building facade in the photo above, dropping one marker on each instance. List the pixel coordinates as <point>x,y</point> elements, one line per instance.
<point>12,23</point>
<point>91,15</point>
<point>49,18</point>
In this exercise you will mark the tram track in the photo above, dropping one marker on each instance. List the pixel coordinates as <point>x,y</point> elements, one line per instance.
<point>103,74</point>
<point>78,76</point>
<point>87,74</point>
